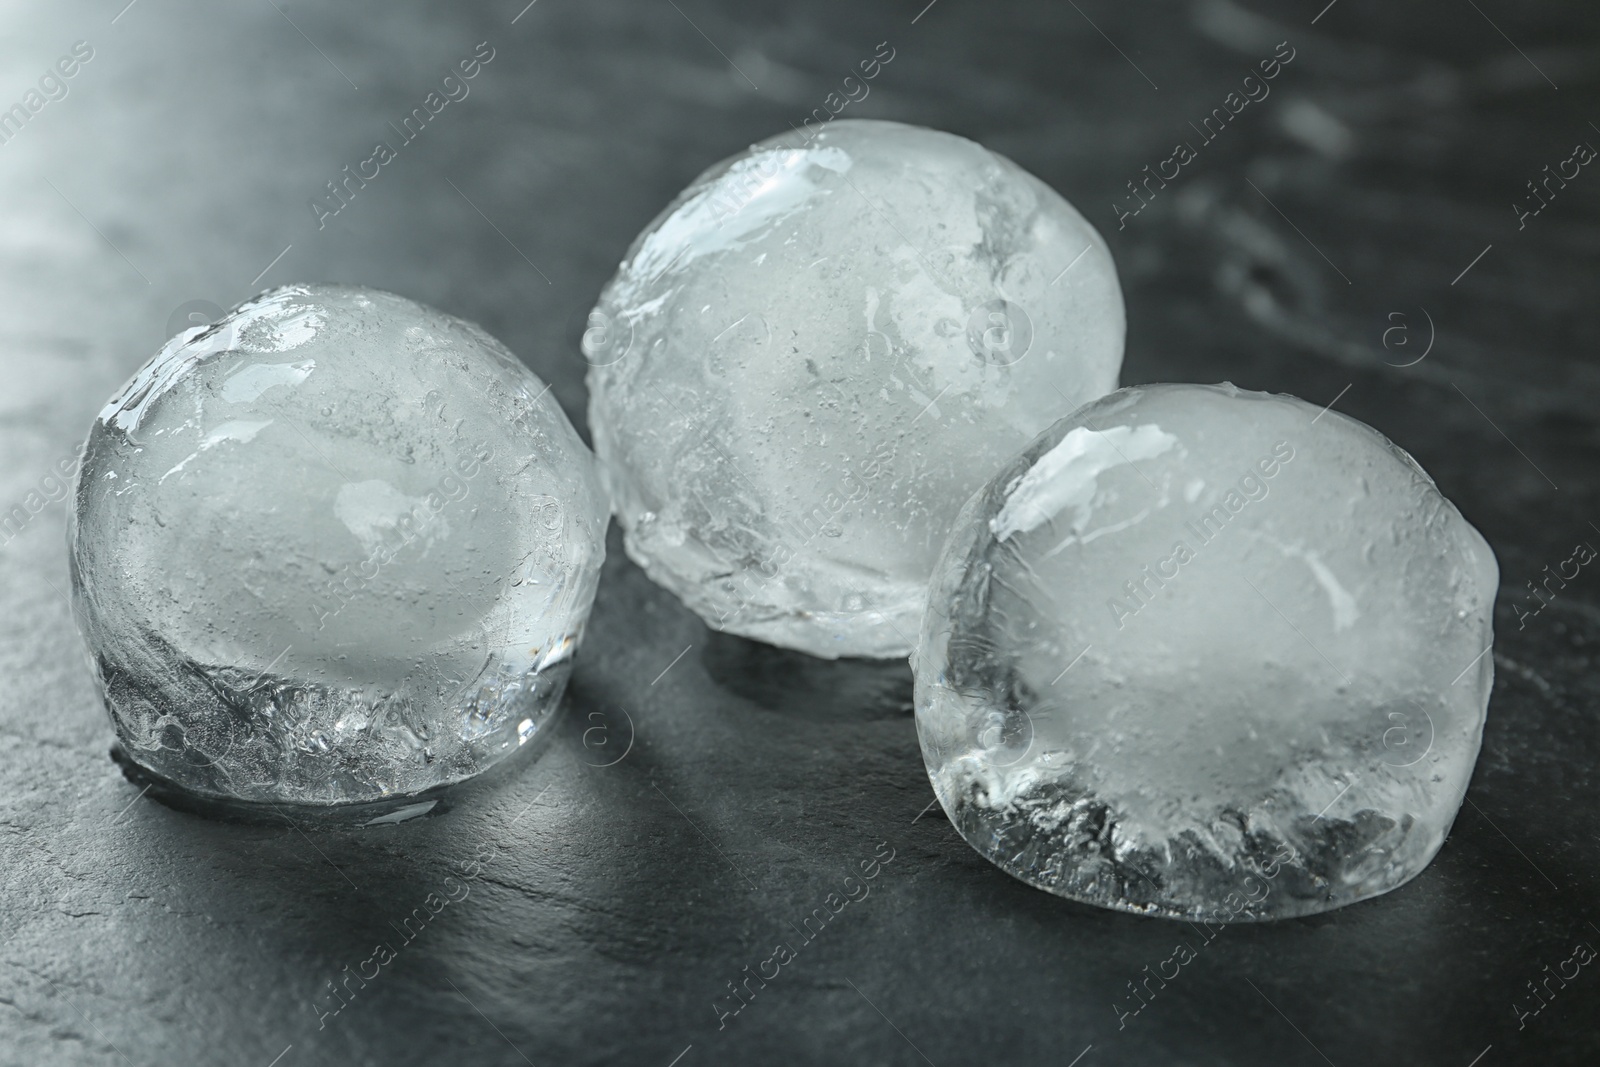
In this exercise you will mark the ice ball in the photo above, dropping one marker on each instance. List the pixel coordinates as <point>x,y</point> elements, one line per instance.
<point>336,548</point>
<point>817,352</point>
<point>1207,653</point>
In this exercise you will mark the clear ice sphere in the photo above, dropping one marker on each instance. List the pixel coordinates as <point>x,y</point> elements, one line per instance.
<point>1207,653</point>
<point>336,548</point>
<point>816,353</point>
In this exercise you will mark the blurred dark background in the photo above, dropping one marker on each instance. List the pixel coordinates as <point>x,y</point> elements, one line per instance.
<point>1353,238</point>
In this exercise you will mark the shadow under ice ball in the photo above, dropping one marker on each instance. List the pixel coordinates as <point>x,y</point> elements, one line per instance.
<point>811,357</point>
<point>338,547</point>
<point>1207,653</point>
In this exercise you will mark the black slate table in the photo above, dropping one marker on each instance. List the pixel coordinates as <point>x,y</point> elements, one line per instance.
<point>1354,238</point>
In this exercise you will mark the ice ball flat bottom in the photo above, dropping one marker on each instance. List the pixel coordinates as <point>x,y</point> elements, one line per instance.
<point>1205,653</point>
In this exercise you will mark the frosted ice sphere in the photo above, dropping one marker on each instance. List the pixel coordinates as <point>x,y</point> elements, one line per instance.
<point>337,548</point>
<point>1206,653</point>
<point>816,353</point>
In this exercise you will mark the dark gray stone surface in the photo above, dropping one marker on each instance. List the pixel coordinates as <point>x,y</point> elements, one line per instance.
<point>608,907</point>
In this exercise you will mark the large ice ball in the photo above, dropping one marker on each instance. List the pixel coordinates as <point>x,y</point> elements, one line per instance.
<point>817,352</point>
<point>338,547</point>
<point>1207,653</point>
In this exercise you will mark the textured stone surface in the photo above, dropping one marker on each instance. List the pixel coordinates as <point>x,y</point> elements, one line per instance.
<point>817,351</point>
<point>1209,654</point>
<point>336,547</point>
<point>607,922</point>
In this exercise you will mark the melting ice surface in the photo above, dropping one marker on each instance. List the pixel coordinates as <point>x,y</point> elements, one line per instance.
<point>1066,475</point>
<point>1195,654</point>
<point>817,352</point>
<point>338,547</point>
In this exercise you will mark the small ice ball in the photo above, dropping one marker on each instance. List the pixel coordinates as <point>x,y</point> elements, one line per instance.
<point>1207,653</point>
<point>817,352</point>
<point>336,548</point>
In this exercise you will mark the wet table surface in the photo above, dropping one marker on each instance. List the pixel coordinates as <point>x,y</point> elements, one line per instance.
<point>1353,239</point>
